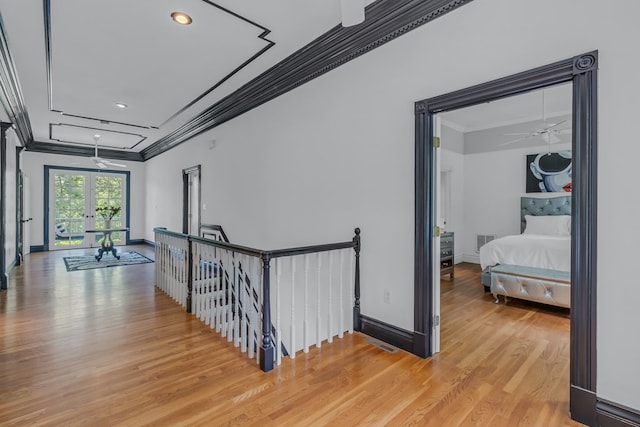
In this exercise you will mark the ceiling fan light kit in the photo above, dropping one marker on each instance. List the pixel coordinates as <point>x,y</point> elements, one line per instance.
<point>352,12</point>
<point>549,134</point>
<point>99,162</point>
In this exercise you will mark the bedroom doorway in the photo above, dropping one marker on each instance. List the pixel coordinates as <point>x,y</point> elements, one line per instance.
<point>581,72</point>
<point>483,168</point>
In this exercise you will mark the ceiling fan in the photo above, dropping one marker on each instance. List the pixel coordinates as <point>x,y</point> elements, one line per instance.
<point>548,133</point>
<point>99,162</point>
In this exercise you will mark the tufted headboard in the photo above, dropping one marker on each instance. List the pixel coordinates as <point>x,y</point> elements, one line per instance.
<point>543,206</point>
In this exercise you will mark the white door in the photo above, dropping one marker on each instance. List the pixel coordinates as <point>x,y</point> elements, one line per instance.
<point>26,215</point>
<point>435,333</point>
<point>74,197</point>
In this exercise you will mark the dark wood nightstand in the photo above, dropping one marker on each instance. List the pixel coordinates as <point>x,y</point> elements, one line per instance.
<point>446,254</point>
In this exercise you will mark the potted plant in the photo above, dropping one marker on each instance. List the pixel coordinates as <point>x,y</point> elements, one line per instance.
<point>108,213</point>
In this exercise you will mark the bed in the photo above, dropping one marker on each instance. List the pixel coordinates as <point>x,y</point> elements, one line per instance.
<point>536,264</point>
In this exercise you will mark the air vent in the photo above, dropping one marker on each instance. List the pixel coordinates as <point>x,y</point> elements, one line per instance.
<point>483,239</point>
<point>381,345</point>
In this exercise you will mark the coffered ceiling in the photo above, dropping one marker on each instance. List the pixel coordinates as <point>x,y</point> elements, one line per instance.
<point>125,70</point>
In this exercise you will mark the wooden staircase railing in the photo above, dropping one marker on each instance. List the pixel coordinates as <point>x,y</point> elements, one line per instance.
<point>226,286</point>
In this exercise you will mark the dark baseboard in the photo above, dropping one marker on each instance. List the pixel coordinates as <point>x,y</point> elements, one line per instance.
<point>149,243</point>
<point>583,405</point>
<point>611,414</point>
<point>136,242</point>
<point>36,248</point>
<point>388,333</point>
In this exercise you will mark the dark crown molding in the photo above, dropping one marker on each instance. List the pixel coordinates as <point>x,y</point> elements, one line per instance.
<point>11,92</point>
<point>75,150</point>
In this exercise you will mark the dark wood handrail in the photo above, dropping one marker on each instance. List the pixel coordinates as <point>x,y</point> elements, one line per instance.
<point>274,253</point>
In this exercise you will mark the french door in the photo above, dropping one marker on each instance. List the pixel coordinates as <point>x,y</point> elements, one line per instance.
<point>74,197</point>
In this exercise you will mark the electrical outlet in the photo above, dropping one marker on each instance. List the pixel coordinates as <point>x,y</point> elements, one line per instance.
<point>387,296</point>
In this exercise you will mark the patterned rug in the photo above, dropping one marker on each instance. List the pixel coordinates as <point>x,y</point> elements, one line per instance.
<point>88,262</point>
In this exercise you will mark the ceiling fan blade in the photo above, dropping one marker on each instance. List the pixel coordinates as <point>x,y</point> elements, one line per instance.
<point>101,165</point>
<point>557,124</point>
<point>110,163</point>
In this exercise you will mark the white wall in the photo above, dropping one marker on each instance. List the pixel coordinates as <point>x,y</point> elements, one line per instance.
<point>338,152</point>
<point>33,166</point>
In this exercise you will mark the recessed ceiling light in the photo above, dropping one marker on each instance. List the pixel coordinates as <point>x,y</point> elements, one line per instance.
<point>96,136</point>
<point>121,105</point>
<point>181,18</point>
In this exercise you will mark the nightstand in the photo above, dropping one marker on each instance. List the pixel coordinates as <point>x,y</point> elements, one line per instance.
<point>446,254</point>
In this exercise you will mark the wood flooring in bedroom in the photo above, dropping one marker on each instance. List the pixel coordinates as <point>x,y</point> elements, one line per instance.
<point>104,347</point>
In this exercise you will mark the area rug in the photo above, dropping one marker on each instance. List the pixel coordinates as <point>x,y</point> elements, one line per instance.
<point>88,262</point>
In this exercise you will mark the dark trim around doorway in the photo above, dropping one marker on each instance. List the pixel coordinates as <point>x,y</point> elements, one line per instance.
<point>185,197</point>
<point>45,209</point>
<point>581,70</point>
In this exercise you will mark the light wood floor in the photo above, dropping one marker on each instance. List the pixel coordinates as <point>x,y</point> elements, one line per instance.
<point>104,347</point>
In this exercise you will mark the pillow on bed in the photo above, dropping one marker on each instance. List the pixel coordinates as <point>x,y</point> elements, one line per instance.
<point>552,225</point>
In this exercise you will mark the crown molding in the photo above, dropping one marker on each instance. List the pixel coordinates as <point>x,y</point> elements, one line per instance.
<point>83,151</point>
<point>11,93</point>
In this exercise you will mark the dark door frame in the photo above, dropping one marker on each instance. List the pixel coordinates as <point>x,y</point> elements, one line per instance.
<point>185,197</point>
<point>47,168</point>
<point>581,70</point>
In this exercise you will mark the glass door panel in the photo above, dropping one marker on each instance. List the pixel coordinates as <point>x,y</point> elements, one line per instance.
<point>80,201</point>
<point>108,197</point>
<point>68,225</point>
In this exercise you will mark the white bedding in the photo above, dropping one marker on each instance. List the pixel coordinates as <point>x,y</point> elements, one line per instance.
<point>529,250</point>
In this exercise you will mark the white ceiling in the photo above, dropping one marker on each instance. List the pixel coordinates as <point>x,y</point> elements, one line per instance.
<point>523,108</point>
<point>122,51</point>
<point>75,59</point>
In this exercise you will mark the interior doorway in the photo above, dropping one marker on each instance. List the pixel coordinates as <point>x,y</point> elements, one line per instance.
<point>581,71</point>
<point>81,200</point>
<point>191,200</point>
<point>484,168</point>
<point>25,209</point>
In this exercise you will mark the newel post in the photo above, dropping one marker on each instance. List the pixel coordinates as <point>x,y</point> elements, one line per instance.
<point>267,354</point>
<point>356,293</point>
<point>189,275</point>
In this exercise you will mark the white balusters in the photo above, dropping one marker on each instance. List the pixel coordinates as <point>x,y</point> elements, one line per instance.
<point>318,301</point>
<point>329,302</point>
<point>227,292</point>
<point>340,297</point>
<point>305,323</point>
<point>278,338</point>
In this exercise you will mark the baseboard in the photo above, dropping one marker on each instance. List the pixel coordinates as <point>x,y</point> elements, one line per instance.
<point>388,333</point>
<point>149,243</point>
<point>611,414</point>
<point>36,248</point>
<point>583,405</point>
<point>136,242</point>
<point>474,259</point>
